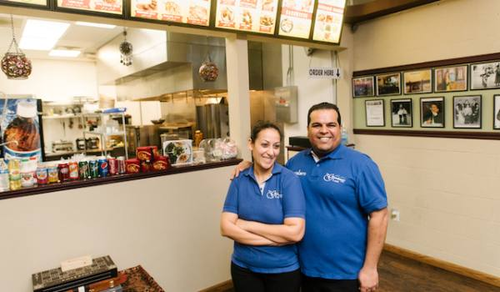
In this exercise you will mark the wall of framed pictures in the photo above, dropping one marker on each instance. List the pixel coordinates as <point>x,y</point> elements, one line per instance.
<point>459,95</point>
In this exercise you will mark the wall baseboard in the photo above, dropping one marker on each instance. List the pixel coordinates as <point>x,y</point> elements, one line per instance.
<point>221,287</point>
<point>477,275</point>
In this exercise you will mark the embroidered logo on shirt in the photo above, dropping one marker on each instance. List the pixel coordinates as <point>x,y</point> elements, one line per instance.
<point>273,194</point>
<point>300,173</point>
<point>334,178</point>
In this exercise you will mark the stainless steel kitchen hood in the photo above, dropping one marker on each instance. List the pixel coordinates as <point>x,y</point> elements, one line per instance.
<point>169,62</point>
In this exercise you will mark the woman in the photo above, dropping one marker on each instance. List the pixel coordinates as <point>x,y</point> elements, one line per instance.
<point>264,214</point>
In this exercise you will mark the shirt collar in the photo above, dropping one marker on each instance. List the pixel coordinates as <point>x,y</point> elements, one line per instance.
<point>337,153</point>
<point>277,168</point>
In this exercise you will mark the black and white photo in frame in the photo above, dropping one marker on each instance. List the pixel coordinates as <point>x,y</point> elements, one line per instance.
<point>496,112</point>
<point>467,112</point>
<point>485,75</point>
<point>401,113</point>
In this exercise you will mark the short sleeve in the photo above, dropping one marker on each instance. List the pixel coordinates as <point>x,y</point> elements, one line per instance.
<point>231,203</point>
<point>294,204</point>
<point>371,188</point>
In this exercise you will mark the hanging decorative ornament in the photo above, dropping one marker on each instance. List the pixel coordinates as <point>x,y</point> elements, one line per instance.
<point>14,63</point>
<point>208,70</point>
<point>126,50</point>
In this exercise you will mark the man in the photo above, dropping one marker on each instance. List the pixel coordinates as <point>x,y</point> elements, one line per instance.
<point>346,209</point>
<point>434,116</point>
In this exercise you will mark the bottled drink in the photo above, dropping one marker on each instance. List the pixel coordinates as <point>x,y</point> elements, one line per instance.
<point>4,176</point>
<point>15,174</point>
<point>345,136</point>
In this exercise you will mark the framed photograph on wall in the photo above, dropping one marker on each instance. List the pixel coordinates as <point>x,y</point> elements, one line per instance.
<point>401,113</point>
<point>449,79</point>
<point>418,81</point>
<point>485,75</point>
<point>432,112</point>
<point>389,84</point>
<point>363,86</point>
<point>496,113</point>
<point>467,112</point>
<point>374,110</point>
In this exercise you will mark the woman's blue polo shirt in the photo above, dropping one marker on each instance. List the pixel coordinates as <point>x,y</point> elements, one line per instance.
<point>282,198</point>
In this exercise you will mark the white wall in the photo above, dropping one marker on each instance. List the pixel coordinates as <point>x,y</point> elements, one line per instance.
<point>446,189</point>
<point>55,80</point>
<point>313,91</point>
<point>169,225</point>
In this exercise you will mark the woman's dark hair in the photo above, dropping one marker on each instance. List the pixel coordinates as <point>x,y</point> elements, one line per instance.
<point>262,125</point>
<point>323,106</point>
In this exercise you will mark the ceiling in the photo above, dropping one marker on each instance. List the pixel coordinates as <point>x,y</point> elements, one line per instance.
<point>85,39</point>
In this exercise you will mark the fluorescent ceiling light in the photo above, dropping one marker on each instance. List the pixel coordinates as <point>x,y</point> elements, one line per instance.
<point>92,24</point>
<point>42,35</point>
<point>64,53</point>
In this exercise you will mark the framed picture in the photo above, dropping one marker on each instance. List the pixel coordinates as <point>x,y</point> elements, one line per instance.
<point>418,81</point>
<point>389,84</point>
<point>375,113</point>
<point>401,113</point>
<point>467,112</point>
<point>449,79</point>
<point>432,112</point>
<point>485,75</point>
<point>363,86</point>
<point>496,113</point>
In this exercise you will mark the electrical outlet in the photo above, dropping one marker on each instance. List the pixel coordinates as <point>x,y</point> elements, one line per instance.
<point>395,215</point>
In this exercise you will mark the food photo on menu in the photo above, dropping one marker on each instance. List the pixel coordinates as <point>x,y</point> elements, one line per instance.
<point>268,5</point>
<point>226,18</point>
<point>146,8</point>
<point>246,19</point>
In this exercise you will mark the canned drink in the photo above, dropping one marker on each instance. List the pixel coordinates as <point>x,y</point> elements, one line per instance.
<point>42,177</point>
<point>103,167</point>
<point>53,174</point>
<point>94,168</point>
<point>84,169</point>
<point>113,166</point>
<point>121,165</point>
<point>63,172</point>
<point>73,170</point>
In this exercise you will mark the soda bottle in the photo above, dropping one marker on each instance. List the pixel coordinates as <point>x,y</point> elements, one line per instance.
<point>15,174</point>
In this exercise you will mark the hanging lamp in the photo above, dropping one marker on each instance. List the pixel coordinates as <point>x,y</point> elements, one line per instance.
<point>15,64</point>
<point>126,50</point>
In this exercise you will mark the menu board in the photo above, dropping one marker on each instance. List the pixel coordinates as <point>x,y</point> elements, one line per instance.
<point>296,18</point>
<point>104,6</point>
<point>34,2</point>
<point>328,22</point>
<point>182,11</point>
<point>247,15</point>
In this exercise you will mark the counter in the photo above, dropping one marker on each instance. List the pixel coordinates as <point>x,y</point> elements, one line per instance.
<point>168,222</point>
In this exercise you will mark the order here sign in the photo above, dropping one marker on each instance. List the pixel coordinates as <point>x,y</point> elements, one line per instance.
<point>324,73</point>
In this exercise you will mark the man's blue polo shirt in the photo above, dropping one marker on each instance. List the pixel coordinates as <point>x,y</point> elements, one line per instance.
<point>341,190</point>
<point>282,198</point>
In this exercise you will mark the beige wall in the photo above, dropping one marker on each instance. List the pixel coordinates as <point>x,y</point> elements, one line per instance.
<point>169,225</point>
<point>446,189</point>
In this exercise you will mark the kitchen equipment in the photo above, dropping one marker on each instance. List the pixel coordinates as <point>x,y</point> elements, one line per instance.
<point>138,136</point>
<point>92,143</point>
<point>80,143</point>
<point>62,146</point>
<point>213,120</point>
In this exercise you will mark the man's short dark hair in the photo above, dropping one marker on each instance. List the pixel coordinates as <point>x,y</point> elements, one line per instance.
<point>322,106</point>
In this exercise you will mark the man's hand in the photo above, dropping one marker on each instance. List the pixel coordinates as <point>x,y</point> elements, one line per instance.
<point>368,279</point>
<point>240,167</point>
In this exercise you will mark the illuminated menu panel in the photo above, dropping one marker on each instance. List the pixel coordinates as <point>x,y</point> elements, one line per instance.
<point>104,6</point>
<point>328,22</point>
<point>34,2</point>
<point>181,11</point>
<point>296,18</point>
<point>247,15</point>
